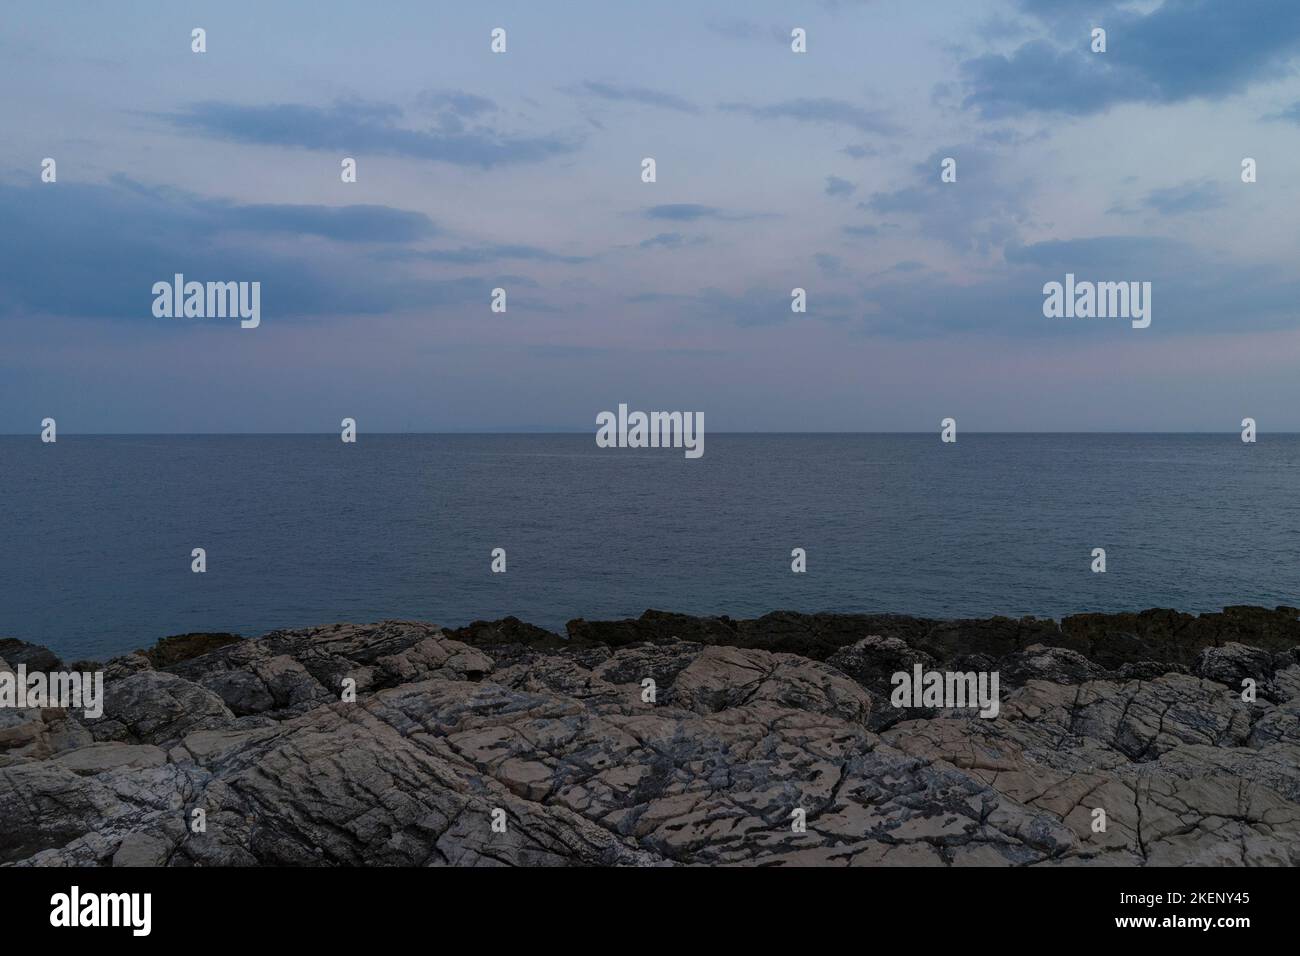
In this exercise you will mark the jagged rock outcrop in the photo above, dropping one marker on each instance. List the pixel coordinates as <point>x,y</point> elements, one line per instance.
<point>672,740</point>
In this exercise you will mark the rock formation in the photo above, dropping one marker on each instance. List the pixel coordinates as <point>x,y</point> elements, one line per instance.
<point>1140,716</point>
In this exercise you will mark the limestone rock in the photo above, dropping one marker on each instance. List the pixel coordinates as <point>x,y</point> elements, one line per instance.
<point>670,740</point>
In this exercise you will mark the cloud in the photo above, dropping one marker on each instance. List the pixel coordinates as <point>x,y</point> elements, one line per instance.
<point>638,94</point>
<point>1177,200</point>
<point>982,210</point>
<point>1060,9</point>
<point>456,101</point>
<point>755,306</point>
<point>860,151</point>
<point>1291,114</point>
<point>1120,254</point>
<point>830,265</point>
<point>1192,292</point>
<point>1038,76</point>
<point>670,240</point>
<point>683,212</point>
<point>357,223</point>
<point>340,223</point>
<point>839,187</point>
<point>824,110</point>
<point>358,128</point>
<point>478,255</point>
<point>1176,52</point>
<point>693,212</point>
<point>94,251</point>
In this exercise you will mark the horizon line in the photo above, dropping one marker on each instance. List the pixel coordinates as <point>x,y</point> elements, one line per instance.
<point>521,432</point>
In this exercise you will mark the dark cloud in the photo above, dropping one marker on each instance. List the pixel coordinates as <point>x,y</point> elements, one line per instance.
<point>340,223</point>
<point>1178,51</point>
<point>359,128</point>
<point>683,212</point>
<point>205,216</point>
<point>835,186</point>
<point>860,151</point>
<point>1039,76</point>
<point>95,251</point>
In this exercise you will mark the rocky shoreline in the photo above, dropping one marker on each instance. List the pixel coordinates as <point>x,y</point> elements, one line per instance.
<point>669,739</point>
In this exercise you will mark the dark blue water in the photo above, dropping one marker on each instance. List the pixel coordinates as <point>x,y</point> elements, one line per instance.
<point>96,532</point>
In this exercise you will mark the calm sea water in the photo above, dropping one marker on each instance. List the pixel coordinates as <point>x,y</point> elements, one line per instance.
<point>96,532</point>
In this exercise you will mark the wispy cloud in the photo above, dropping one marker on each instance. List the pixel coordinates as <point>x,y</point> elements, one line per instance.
<point>670,240</point>
<point>693,212</point>
<point>823,110</point>
<point>374,128</point>
<point>1291,114</point>
<point>478,255</point>
<point>456,101</point>
<point>860,151</point>
<point>1198,196</point>
<point>758,305</point>
<point>636,94</point>
<point>979,212</point>
<point>829,264</point>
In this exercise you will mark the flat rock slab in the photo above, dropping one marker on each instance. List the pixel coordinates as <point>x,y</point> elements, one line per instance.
<point>103,757</point>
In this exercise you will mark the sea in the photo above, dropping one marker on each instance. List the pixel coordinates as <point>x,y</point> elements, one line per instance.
<point>97,532</point>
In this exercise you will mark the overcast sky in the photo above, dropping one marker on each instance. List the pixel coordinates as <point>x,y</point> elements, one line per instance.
<point>775,170</point>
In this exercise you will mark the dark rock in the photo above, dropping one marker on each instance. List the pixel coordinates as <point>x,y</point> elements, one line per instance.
<point>509,630</point>
<point>35,657</point>
<point>154,707</point>
<point>181,647</point>
<point>1232,663</point>
<point>1056,664</point>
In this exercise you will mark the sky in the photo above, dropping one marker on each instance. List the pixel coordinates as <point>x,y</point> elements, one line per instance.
<point>775,170</point>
